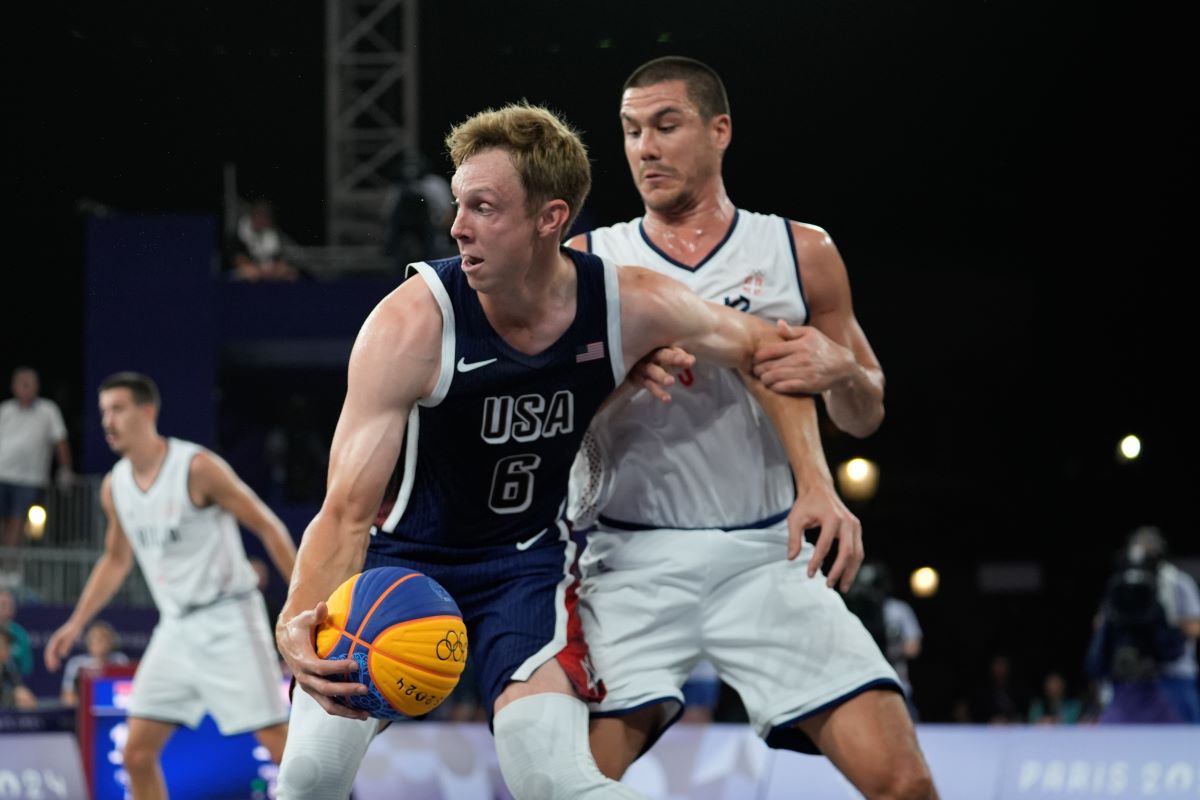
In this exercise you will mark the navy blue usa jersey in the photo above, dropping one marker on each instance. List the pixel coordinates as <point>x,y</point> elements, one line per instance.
<point>487,457</point>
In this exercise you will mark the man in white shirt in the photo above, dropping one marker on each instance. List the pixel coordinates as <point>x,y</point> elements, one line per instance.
<point>31,433</point>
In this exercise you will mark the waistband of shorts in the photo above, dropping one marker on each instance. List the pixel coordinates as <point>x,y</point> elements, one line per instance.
<point>766,522</point>
<point>218,601</point>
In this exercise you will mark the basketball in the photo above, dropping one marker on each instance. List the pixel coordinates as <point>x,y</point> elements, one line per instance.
<point>405,632</point>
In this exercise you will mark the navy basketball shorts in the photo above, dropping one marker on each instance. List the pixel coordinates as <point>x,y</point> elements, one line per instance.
<point>519,607</point>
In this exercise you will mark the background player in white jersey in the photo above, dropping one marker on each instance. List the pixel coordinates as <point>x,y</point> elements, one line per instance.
<point>688,559</point>
<point>175,506</point>
<point>506,318</point>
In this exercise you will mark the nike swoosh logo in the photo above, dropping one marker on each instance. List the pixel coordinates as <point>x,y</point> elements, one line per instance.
<point>525,545</point>
<point>463,366</point>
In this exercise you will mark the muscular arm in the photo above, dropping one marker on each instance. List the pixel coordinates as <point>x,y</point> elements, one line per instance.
<point>659,312</point>
<point>394,362</point>
<point>831,355</point>
<point>817,503</point>
<point>211,480</point>
<point>107,576</point>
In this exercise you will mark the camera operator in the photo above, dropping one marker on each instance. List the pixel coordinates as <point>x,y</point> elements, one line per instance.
<point>1145,639</point>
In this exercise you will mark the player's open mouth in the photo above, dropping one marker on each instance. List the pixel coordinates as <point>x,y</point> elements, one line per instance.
<point>471,261</point>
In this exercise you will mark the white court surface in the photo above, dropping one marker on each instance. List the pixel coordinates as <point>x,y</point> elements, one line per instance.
<point>441,761</point>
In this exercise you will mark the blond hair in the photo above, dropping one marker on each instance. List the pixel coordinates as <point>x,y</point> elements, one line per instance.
<point>548,155</point>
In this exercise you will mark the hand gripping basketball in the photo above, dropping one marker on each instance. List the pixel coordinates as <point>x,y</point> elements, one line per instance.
<point>405,632</point>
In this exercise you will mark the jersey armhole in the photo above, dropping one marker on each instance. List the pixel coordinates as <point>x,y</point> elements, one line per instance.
<point>612,296</point>
<point>446,367</point>
<point>791,240</point>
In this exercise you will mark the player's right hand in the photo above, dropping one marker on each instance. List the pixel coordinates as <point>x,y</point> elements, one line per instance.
<point>311,672</point>
<point>656,371</point>
<point>60,644</point>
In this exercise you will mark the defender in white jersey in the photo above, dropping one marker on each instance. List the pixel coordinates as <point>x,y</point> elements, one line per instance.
<point>698,548</point>
<point>175,506</point>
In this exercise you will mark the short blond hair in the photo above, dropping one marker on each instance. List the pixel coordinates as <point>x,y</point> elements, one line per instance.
<point>547,153</point>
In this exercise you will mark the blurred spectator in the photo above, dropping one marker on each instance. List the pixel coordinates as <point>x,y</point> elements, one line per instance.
<point>31,433</point>
<point>1180,599</point>
<point>1053,706</point>
<point>19,650</point>
<point>102,642</point>
<point>1143,645</point>
<point>419,208</point>
<point>998,702</point>
<point>13,694</point>
<point>257,249</point>
<point>890,621</point>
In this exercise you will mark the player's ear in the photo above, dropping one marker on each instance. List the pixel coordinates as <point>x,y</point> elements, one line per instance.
<point>721,127</point>
<point>552,218</point>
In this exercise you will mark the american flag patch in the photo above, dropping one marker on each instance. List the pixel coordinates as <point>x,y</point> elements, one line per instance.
<point>591,352</point>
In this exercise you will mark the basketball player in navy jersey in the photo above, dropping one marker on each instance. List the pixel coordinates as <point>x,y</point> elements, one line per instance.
<point>724,531</point>
<point>469,389</point>
<point>175,507</point>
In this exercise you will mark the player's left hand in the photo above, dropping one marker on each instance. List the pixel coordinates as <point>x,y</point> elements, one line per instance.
<point>819,506</point>
<point>656,372</point>
<point>805,362</point>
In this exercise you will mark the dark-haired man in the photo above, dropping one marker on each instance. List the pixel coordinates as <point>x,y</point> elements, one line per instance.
<point>175,506</point>
<point>699,550</point>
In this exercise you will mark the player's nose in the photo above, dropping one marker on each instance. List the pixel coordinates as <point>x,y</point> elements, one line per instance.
<point>458,229</point>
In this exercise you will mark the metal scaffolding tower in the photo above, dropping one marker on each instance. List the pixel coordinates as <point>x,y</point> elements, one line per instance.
<point>371,112</point>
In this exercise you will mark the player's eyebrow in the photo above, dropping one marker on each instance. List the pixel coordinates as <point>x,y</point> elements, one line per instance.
<point>655,116</point>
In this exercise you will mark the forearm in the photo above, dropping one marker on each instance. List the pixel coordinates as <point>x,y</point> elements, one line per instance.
<point>332,550</point>
<point>63,451</point>
<point>106,578</point>
<point>855,405</point>
<point>794,418</point>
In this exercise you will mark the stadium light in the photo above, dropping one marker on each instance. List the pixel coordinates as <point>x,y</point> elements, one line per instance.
<point>858,479</point>
<point>924,582</point>
<point>36,519</point>
<point>1130,448</point>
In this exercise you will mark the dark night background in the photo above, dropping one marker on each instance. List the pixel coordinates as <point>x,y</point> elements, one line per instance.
<point>1009,184</point>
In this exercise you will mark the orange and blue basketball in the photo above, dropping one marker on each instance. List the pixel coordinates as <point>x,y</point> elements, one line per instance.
<point>407,635</point>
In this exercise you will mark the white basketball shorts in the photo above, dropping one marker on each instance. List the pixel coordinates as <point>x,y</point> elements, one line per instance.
<point>653,603</point>
<point>220,659</point>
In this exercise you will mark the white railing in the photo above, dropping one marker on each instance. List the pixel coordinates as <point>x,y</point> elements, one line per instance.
<point>55,563</point>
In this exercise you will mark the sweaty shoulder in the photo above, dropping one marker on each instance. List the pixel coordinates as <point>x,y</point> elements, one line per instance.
<point>822,271</point>
<point>809,238</point>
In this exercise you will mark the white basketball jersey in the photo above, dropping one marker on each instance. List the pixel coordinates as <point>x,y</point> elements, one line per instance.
<point>710,458</point>
<point>191,557</point>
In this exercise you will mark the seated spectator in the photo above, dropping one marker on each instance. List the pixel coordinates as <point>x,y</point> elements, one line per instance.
<point>18,652</point>
<point>257,249</point>
<point>13,693</point>
<point>1053,706</point>
<point>101,642</point>
<point>999,702</point>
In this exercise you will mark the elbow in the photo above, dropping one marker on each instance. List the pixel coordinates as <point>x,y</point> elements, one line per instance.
<point>860,426</point>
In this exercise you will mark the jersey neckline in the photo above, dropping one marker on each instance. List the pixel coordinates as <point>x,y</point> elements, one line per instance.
<point>675,263</point>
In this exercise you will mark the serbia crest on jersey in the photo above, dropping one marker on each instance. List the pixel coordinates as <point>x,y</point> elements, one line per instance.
<point>486,458</point>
